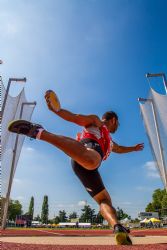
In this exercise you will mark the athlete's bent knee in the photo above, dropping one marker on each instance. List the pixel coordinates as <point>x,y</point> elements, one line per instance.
<point>92,162</point>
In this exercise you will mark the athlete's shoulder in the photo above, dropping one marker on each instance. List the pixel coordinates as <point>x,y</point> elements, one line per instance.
<point>95,121</point>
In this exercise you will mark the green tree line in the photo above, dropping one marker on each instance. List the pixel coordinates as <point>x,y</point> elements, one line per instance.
<point>87,213</point>
<point>158,203</point>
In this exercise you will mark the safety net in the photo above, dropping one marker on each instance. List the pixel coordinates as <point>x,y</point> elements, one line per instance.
<point>11,144</point>
<point>154,113</point>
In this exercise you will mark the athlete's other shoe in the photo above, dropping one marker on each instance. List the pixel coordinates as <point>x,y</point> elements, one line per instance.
<point>52,100</point>
<point>121,235</point>
<point>24,127</point>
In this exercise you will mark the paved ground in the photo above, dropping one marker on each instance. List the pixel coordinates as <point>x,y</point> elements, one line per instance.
<point>17,246</point>
<point>103,240</point>
<point>73,232</point>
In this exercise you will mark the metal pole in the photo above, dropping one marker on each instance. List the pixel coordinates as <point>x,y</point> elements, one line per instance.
<point>158,136</point>
<point>12,168</point>
<point>22,107</point>
<point>159,75</point>
<point>165,82</point>
<point>160,143</point>
<point>154,74</point>
<point>7,91</point>
<point>1,152</point>
<point>5,98</point>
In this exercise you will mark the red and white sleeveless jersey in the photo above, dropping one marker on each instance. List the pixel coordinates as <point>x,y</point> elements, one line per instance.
<point>101,135</point>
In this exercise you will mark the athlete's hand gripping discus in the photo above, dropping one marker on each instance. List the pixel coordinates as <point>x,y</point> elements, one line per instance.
<point>52,101</point>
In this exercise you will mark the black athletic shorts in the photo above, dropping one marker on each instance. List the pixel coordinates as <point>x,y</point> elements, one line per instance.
<point>91,179</point>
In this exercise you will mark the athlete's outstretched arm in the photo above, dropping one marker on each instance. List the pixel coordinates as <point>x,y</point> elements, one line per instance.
<point>82,120</point>
<point>123,149</point>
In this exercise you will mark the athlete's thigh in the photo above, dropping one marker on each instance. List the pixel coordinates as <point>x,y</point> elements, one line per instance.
<point>91,179</point>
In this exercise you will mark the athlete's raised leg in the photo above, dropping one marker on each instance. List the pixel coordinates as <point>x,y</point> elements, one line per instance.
<point>86,157</point>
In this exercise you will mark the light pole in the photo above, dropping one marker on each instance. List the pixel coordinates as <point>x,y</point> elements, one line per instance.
<point>7,91</point>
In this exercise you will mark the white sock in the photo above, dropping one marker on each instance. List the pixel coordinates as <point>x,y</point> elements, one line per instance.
<point>38,136</point>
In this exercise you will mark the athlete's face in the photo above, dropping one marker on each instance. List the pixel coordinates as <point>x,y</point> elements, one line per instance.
<point>114,123</point>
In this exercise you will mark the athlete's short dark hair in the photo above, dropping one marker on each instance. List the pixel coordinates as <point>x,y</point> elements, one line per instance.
<point>109,115</point>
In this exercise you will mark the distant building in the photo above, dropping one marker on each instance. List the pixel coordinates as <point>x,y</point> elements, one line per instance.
<point>148,215</point>
<point>74,224</point>
<point>23,220</point>
<point>36,223</point>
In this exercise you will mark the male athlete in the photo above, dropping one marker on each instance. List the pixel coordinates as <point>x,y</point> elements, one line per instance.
<point>91,147</point>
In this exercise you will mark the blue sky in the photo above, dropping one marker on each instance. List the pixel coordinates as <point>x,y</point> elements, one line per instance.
<point>95,55</point>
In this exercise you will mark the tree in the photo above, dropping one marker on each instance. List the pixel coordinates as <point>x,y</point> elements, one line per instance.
<point>2,204</point>
<point>31,208</point>
<point>62,216</point>
<point>88,214</point>
<point>158,195</point>
<point>99,218</point>
<point>73,215</point>
<point>136,220</point>
<point>150,208</point>
<point>157,199</point>
<point>15,208</point>
<point>164,205</point>
<point>158,203</point>
<point>121,215</point>
<point>56,220</point>
<point>45,210</point>
<point>37,218</point>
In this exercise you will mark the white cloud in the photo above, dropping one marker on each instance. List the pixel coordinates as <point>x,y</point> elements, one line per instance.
<point>10,26</point>
<point>153,175</point>
<point>17,181</point>
<point>60,205</point>
<point>20,183</point>
<point>142,188</point>
<point>82,203</point>
<point>71,205</point>
<point>150,165</point>
<point>19,198</point>
<point>126,203</point>
<point>30,149</point>
<point>151,169</point>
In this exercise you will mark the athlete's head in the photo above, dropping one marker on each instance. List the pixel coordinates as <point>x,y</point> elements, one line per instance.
<point>110,118</point>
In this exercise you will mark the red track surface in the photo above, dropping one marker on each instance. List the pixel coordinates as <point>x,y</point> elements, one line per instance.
<point>15,246</point>
<point>46,232</point>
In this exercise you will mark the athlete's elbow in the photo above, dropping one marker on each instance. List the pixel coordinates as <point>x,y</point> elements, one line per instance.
<point>118,151</point>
